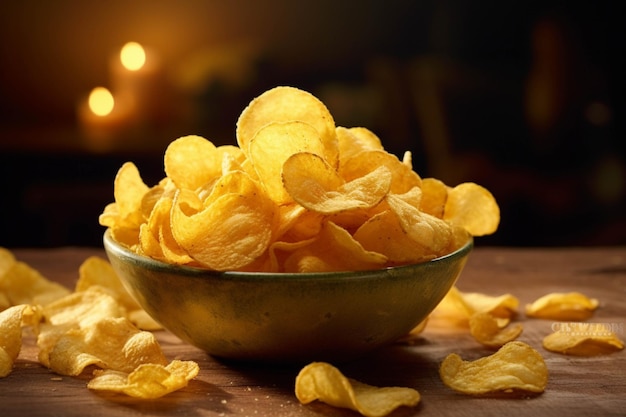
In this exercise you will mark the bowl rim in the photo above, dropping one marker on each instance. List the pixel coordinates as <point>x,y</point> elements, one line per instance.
<point>113,246</point>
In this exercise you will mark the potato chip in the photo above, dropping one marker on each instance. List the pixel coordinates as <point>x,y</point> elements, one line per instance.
<point>156,238</point>
<point>192,161</point>
<point>228,234</point>
<point>434,197</point>
<point>128,191</point>
<point>562,306</point>
<point>429,231</point>
<point>583,339</point>
<point>334,249</point>
<point>354,140</point>
<point>148,381</point>
<point>503,306</point>
<point>7,259</point>
<point>384,234</point>
<point>10,337</point>
<point>273,144</point>
<point>76,310</point>
<point>491,332</point>
<point>472,207</point>
<point>286,104</point>
<point>515,367</point>
<point>23,284</point>
<point>314,184</point>
<point>97,272</point>
<point>324,382</point>
<point>109,343</point>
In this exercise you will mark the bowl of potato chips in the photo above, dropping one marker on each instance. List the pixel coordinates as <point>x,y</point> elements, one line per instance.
<point>286,316</point>
<point>306,239</point>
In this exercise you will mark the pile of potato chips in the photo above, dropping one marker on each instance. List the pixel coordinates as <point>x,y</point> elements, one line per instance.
<point>298,194</point>
<point>97,325</point>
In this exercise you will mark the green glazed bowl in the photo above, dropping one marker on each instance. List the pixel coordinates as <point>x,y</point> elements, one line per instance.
<point>286,317</point>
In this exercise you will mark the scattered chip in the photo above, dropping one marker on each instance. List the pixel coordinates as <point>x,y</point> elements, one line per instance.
<point>23,284</point>
<point>322,381</point>
<point>460,306</point>
<point>10,337</point>
<point>147,381</point>
<point>491,331</point>
<point>562,306</point>
<point>97,272</point>
<point>515,367</point>
<point>583,339</point>
<point>503,306</point>
<point>109,343</point>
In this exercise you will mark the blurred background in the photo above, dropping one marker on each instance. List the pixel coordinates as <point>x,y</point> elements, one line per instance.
<point>523,97</point>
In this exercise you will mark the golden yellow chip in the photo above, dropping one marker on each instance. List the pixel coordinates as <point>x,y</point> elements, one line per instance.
<point>562,306</point>
<point>22,284</point>
<point>287,104</point>
<point>434,197</point>
<point>503,306</point>
<point>472,207</point>
<point>491,332</point>
<point>10,337</point>
<point>324,382</point>
<point>384,234</point>
<point>515,367</point>
<point>148,381</point>
<point>354,140</point>
<point>192,161</point>
<point>334,249</point>
<point>403,178</point>
<point>583,339</point>
<point>128,191</point>
<point>96,272</point>
<point>109,343</point>
<point>228,234</point>
<point>273,144</point>
<point>429,231</point>
<point>317,186</point>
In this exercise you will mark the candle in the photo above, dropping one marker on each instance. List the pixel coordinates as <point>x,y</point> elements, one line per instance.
<point>105,121</point>
<point>136,72</point>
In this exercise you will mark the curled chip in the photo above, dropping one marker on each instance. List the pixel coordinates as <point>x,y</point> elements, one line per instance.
<point>504,306</point>
<point>96,272</point>
<point>562,306</point>
<point>582,339</point>
<point>90,327</point>
<point>11,336</point>
<point>148,381</point>
<point>491,331</point>
<point>322,381</point>
<point>472,207</point>
<point>460,306</point>
<point>515,367</point>
<point>23,284</point>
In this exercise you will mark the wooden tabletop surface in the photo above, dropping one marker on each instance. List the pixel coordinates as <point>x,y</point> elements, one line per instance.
<point>578,386</point>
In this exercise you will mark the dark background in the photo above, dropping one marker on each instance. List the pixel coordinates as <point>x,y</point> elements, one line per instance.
<point>525,98</point>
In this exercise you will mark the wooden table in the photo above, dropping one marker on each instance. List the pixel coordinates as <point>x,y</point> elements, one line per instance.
<point>578,386</point>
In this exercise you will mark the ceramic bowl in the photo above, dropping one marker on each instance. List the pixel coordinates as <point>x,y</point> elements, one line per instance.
<point>286,316</point>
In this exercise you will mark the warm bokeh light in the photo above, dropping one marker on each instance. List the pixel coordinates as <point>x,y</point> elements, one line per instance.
<point>133,56</point>
<point>101,101</point>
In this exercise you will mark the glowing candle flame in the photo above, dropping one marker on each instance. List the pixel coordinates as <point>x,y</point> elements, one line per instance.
<point>133,56</point>
<point>101,101</point>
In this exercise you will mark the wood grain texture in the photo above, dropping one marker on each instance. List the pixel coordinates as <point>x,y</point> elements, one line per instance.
<point>577,387</point>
